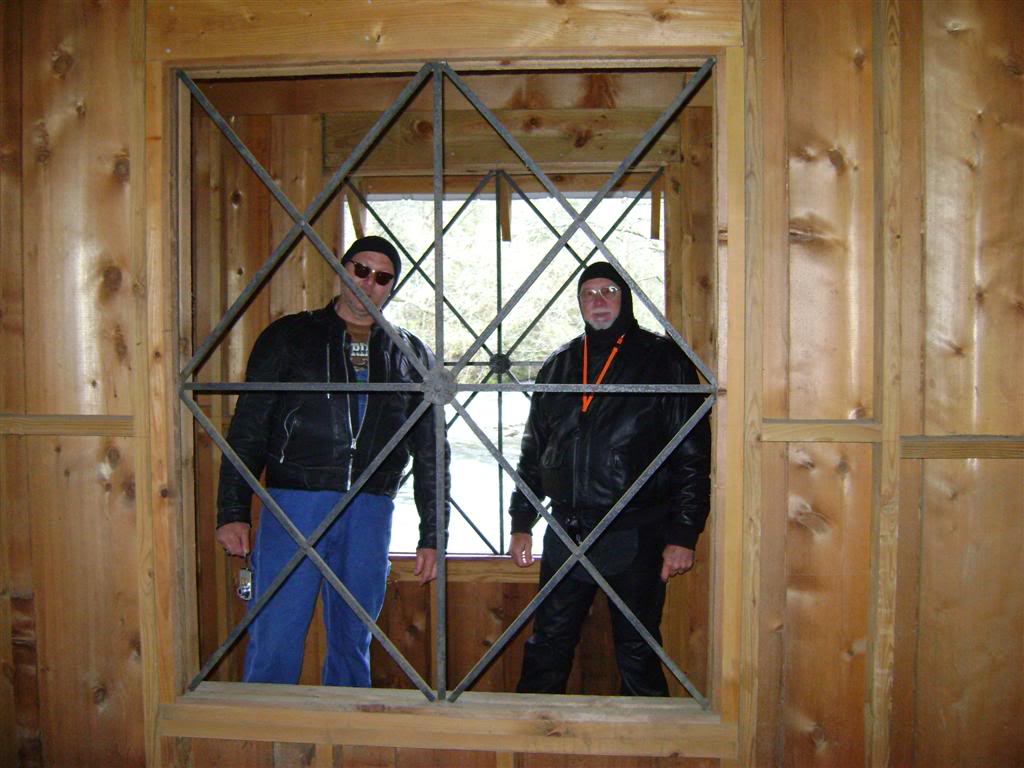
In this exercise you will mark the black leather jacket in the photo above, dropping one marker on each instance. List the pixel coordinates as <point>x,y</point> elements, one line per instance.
<point>305,439</point>
<point>586,462</point>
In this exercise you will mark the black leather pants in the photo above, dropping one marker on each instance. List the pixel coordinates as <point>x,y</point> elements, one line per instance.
<point>548,654</point>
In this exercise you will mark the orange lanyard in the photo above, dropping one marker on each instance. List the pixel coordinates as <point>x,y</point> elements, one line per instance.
<point>589,398</point>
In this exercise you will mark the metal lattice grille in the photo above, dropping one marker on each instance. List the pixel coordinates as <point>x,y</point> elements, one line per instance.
<point>440,384</point>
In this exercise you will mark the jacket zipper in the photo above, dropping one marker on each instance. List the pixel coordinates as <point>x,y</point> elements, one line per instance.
<point>287,432</point>
<point>328,366</point>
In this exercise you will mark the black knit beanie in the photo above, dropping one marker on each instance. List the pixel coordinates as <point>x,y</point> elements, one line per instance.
<point>625,321</point>
<point>379,245</point>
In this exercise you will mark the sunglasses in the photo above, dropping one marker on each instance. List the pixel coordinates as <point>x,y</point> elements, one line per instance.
<point>362,272</point>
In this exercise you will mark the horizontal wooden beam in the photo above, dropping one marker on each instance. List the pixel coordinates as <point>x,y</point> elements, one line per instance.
<point>652,89</point>
<point>587,183</point>
<point>224,31</point>
<point>911,446</point>
<point>564,140</point>
<point>485,568</point>
<point>489,722</point>
<point>66,424</point>
<point>962,447</point>
<point>820,431</point>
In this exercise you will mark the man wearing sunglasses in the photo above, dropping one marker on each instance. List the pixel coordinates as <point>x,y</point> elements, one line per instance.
<point>584,451</point>
<point>312,447</point>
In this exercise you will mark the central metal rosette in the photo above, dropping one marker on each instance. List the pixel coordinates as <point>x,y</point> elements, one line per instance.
<point>439,386</point>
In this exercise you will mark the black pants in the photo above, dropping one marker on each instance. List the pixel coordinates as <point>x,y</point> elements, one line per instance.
<point>548,654</point>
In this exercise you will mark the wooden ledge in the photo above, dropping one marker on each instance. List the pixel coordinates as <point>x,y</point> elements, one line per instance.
<point>493,722</point>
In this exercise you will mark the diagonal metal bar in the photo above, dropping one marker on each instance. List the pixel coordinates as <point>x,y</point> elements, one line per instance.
<point>306,546</point>
<point>301,220</point>
<point>577,555</point>
<point>579,219</point>
<point>417,263</point>
<point>615,225</point>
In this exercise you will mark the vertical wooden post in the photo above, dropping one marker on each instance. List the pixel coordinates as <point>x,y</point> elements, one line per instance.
<point>886,457</point>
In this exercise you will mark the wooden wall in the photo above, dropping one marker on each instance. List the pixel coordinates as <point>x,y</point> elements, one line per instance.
<point>885,181</point>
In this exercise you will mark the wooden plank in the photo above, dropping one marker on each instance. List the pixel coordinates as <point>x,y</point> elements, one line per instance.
<point>531,88</point>
<point>774,382</point>
<point>12,329</point>
<point>304,281</point>
<point>734,660</point>
<point>21,735</point>
<point>971,628</point>
<point>820,431</point>
<point>478,570</point>
<point>216,31</point>
<point>477,721</point>
<point>463,185</point>
<point>826,621</point>
<point>831,210</point>
<point>562,140</point>
<point>888,344</point>
<point>90,692</point>
<point>76,194</point>
<point>975,193</point>
<point>66,424</point>
<point>912,383</point>
<point>963,447</point>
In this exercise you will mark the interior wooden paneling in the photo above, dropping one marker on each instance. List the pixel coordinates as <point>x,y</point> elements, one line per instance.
<point>830,141</point>
<point>89,662</point>
<point>971,637</point>
<point>974,280</point>
<point>76,209</point>
<point>477,29</point>
<point>827,599</point>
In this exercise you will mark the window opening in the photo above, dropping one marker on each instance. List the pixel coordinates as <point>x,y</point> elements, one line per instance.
<point>439,386</point>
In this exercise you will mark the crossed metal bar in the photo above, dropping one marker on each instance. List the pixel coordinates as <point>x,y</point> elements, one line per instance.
<point>436,376</point>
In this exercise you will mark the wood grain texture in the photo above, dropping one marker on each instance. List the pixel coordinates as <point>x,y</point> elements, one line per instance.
<point>974,187</point>
<point>12,311</point>
<point>523,90</point>
<point>560,141</point>
<point>217,31</point>
<point>831,332</point>
<point>76,194</point>
<point>90,681</point>
<point>827,565</point>
<point>477,721</point>
<point>971,636</point>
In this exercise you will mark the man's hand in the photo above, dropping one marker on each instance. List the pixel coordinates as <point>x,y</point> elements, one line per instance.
<point>675,560</point>
<point>234,537</point>
<point>520,549</point>
<point>426,565</point>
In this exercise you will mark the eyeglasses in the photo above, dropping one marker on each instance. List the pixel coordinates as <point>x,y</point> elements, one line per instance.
<point>608,292</point>
<point>362,272</point>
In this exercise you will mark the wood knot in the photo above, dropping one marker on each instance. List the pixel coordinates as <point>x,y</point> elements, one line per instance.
<point>423,128</point>
<point>835,156</point>
<point>122,168</point>
<point>113,456</point>
<point>128,488</point>
<point>120,344</point>
<point>532,123</point>
<point>582,138</point>
<point>41,140</point>
<point>661,16</point>
<point>236,198</point>
<point>110,280</point>
<point>955,27</point>
<point>99,695</point>
<point>858,58</point>
<point>61,62</point>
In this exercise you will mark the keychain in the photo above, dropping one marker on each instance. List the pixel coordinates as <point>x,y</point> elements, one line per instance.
<point>245,580</point>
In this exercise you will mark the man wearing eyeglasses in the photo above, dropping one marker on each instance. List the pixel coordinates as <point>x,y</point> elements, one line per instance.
<point>584,451</point>
<point>312,447</point>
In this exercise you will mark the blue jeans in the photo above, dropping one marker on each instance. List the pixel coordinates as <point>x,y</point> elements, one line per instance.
<point>356,549</point>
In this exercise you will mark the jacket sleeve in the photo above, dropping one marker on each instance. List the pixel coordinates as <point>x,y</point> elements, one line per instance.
<point>691,464</point>
<point>423,445</point>
<point>535,438</point>
<point>250,427</point>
